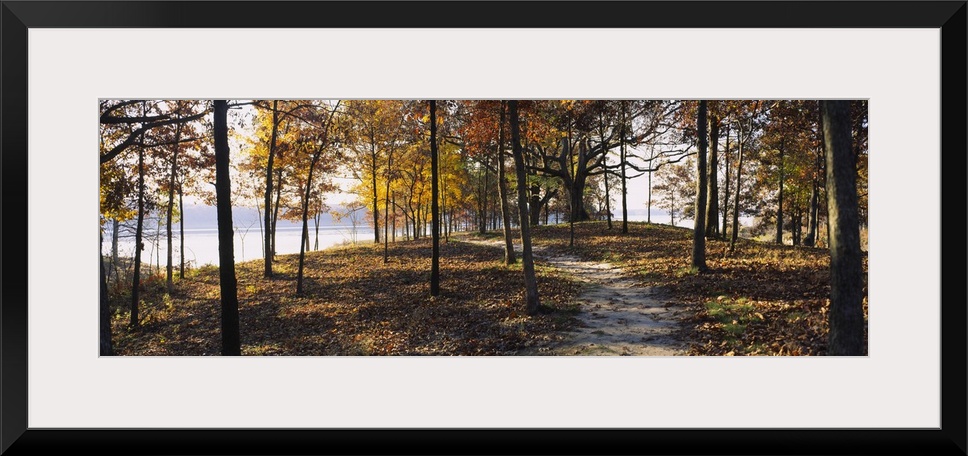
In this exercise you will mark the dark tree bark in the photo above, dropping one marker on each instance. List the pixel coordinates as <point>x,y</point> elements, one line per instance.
<point>623,158</point>
<point>739,176</point>
<point>712,206</point>
<point>573,206</point>
<point>115,234</point>
<point>171,207</point>
<point>811,237</point>
<point>483,221</point>
<point>138,244</point>
<point>502,187</point>
<point>376,207</point>
<point>779,206</point>
<point>648,217</point>
<point>538,202</point>
<point>267,272</point>
<point>530,281</point>
<point>534,206</point>
<point>698,238</point>
<point>726,184</point>
<point>434,208</point>
<point>608,198</point>
<point>386,213</point>
<point>105,348</point>
<point>846,316</point>
<point>576,188</point>
<point>304,245</point>
<point>231,343</point>
<point>275,212</point>
<point>814,214</point>
<point>181,233</point>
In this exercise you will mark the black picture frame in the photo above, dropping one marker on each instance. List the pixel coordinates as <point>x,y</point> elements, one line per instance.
<point>18,16</point>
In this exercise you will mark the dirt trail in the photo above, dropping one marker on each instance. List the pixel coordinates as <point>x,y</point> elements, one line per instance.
<point>618,316</point>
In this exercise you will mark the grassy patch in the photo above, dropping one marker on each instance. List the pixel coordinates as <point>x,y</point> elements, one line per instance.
<point>732,315</point>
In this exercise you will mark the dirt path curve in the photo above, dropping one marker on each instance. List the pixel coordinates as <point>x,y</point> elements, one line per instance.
<point>618,316</point>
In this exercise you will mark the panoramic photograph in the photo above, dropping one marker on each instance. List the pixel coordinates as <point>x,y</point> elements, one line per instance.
<point>396,227</point>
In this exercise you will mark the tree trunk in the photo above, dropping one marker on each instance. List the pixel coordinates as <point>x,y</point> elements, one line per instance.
<point>181,233</point>
<point>726,183</point>
<point>739,174</point>
<point>779,206</point>
<point>316,218</point>
<point>157,247</point>
<point>712,208</point>
<point>698,238</point>
<point>625,193</point>
<point>534,207</point>
<point>846,316</point>
<point>171,207</point>
<point>573,207</point>
<point>648,217</point>
<point>115,234</point>
<point>530,282</point>
<point>376,207</point>
<point>503,190</point>
<point>812,213</point>
<point>608,198</point>
<point>484,198</point>
<point>672,208</point>
<point>275,212</point>
<point>386,217</point>
<point>267,272</point>
<point>231,344</point>
<point>138,244</point>
<point>577,188</point>
<point>305,235</point>
<point>104,333</point>
<point>304,245</point>
<point>434,208</point>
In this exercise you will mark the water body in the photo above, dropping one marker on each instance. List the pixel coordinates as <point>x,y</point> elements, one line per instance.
<point>201,244</point>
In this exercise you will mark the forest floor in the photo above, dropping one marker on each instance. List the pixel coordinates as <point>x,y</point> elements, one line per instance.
<point>756,299</point>
<point>610,293</point>
<point>355,304</point>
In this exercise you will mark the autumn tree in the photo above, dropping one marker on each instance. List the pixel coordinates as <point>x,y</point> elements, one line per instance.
<point>530,281</point>
<point>699,239</point>
<point>124,125</point>
<point>117,113</point>
<point>317,141</point>
<point>275,113</point>
<point>231,344</point>
<point>712,207</point>
<point>676,188</point>
<point>846,316</point>
<point>180,136</point>
<point>373,136</point>
<point>502,186</point>
<point>139,230</point>
<point>481,130</point>
<point>746,115</point>
<point>564,150</point>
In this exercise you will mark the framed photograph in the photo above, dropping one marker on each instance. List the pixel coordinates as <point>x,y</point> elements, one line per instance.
<point>906,58</point>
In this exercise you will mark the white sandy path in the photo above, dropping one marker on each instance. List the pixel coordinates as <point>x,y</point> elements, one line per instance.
<point>618,316</point>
